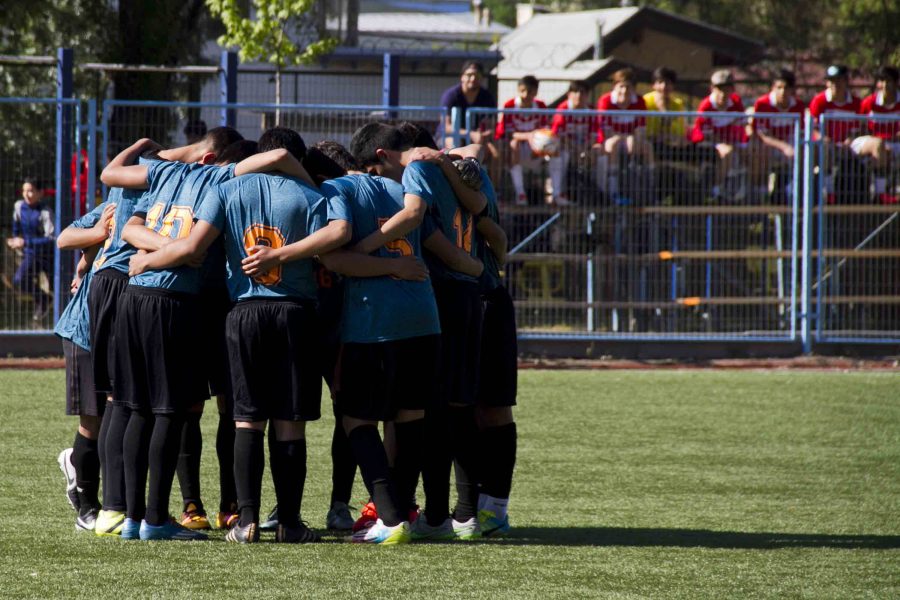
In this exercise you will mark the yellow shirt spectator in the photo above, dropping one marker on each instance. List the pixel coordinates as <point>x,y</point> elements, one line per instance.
<point>671,127</point>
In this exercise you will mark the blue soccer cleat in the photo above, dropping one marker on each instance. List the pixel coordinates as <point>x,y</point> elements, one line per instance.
<point>131,530</point>
<point>170,531</point>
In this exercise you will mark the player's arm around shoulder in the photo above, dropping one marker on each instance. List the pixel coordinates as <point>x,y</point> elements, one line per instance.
<point>77,236</point>
<point>451,255</point>
<point>354,264</point>
<point>278,160</point>
<point>405,220</point>
<point>495,237</point>
<point>121,170</point>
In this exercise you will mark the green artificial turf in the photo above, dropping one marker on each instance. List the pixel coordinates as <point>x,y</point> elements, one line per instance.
<point>675,484</point>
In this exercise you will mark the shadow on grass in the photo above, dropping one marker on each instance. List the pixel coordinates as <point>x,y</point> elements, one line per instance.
<point>689,538</point>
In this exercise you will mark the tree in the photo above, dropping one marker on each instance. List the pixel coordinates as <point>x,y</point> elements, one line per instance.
<point>267,37</point>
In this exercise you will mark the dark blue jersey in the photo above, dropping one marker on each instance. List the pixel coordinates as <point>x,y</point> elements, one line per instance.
<point>380,309</point>
<point>266,210</point>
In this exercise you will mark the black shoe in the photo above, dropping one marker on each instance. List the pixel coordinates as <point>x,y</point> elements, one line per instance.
<point>243,534</point>
<point>300,534</point>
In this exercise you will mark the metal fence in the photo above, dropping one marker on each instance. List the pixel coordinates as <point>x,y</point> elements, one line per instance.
<point>656,238</point>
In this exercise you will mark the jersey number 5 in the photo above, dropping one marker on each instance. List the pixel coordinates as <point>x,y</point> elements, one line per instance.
<point>400,246</point>
<point>265,235</point>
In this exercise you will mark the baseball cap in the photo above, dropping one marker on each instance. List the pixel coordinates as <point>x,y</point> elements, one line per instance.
<point>835,71</point>
<point>722,77</point>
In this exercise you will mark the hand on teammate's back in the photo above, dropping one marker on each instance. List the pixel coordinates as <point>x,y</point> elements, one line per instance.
<point>259,260</point>
<point>410,268</point>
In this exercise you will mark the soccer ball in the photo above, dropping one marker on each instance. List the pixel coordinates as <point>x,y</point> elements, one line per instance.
<point>544,143</point>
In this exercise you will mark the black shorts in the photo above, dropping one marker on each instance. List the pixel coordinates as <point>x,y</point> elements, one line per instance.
<point>498,375</point>
<point>374,381</point>
<point>81,398</point>
<point>328,310</point>
<point>459,307</point>
<point>157,364</point>
<point>214,307</point>
<point>273,355</point>
<point>103,298</point>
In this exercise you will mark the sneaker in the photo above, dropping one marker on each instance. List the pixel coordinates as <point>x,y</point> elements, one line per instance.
<point>367,517</point>
<point>339,518</point>
<point>86,521</point>
<point>169,531</point>
<point>301,534</point>
<point>131,529</point>
<point>243,534</point>
<point>226,520</point>
<point>521,200</point>
<point>421,530</point>
<point>194,518</point>
<point>490,525</point>
<point>65,465</point>
<point>271,522</point>
<point>467,530</point>
<point>379,533</point>
<point>109,523</point>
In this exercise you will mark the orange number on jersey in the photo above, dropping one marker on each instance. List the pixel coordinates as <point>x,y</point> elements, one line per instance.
<point>182,216</point>
<point>400,246</point>
<point>462,224</point>
<point>264,235</point>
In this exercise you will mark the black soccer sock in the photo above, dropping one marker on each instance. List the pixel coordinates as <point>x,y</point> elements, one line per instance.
<point>134,459</point>
<point>410,437</point>
<point>288,463</point>
<point>249,464</point>
<point>436,466</point>
<point>225,453</point>
<point>163,459</point>
<point>111,462</point>
<point>86,461</point>
<point>343,465</point>
<point>464,443</point>
<point>369,452</point>
<point>189,460</point>
<point>498,455</point>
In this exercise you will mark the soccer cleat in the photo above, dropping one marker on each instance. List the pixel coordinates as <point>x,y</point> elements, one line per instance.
<point>194,518</point>
<point>87,521</point>
<point>490,525</point>
<point>339,518</point>
<point>65,465</point>
<point>131,529</point>
<point>109,522</point>
<point>379,533</point>
<point>421,530</point>
<point>367,517</point>
<point>301,534</point>
<point>271,522</point>
<point>170,531</point>
<point>226,520</point>
<point>467,530</point>
<point>243,534</point>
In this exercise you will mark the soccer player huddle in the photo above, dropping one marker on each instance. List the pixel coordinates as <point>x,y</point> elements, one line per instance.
<point>250,271</point>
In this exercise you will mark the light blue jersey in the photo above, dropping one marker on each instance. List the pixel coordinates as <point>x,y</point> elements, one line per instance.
<point>490,277</point>
<point>266,210</point>
<point>73,324</point>
<point>426,180</point>
<point>380,309</point>
<point>176,190</point>
<point>116,252</point>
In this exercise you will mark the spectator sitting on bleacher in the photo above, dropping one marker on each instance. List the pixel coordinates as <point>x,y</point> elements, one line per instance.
<point>517,129</point>
<point>667,135</point>
<point>836,99</point>
<point>724,132</point>
<point>882,142</point>
<point>577,135</point>
<point>621,135</point>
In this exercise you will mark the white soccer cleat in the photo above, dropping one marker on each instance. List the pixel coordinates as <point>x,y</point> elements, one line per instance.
<point>65,465</point>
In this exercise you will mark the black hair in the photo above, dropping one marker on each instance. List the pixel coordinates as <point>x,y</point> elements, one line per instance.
<point>338,153</point>
<point>237,152</point>
<point>787,76</point>
<point>195,127</point>
<point>417,136</point>
<point>529,81</point>
<point>219,138</point>
<point>473,64</point>
<point>374,136</point>
<point>665,74</point>
<point>579,85</point>
<point>32,180</point>
<point>282,137</point>
<point>887,73</point>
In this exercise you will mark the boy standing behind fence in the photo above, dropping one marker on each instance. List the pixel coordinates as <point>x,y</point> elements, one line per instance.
<point>33,234</point>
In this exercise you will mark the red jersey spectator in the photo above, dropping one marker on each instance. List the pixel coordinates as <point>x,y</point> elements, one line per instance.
<point>836,99</point>
<point>728,129</point>
<point>882,143</point>
<point>780,100</point>
<point>518,127</point>
<point>576,133</point>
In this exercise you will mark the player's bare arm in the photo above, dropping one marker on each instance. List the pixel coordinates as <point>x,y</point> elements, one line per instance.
<point>451,255</point>
<point>121,170</point>
<point>279,160</point>
<point>472,200</point>
<point>261,259</point>
<point>404,221</point>
<point>180,252</point>
<point>138,235</point>
<point>476,151</point>
<point>75,238</point>
<point>495,238</point>
<point>352,264</point>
